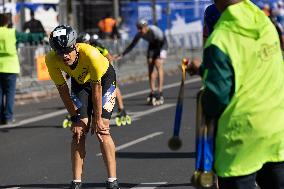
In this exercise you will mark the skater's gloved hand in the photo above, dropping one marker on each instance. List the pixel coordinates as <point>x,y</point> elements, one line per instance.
<point>193,67</point>
<point>163,54</point>
<point>99,128</point>
<point>78,130</point>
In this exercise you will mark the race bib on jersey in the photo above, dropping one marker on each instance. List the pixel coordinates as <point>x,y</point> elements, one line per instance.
<point>109,98</point>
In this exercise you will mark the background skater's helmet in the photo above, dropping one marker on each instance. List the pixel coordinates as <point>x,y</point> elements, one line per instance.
<point>94,38</point>
<point>141,23</point>
<point>83,37</point>
<point>63,38</point>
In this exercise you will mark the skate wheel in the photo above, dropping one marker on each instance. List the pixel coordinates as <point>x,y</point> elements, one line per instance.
<point>65,123</point>
<point>148,99</point>
<point>118,121</point>
<point>128,120</point>
<point>123,120</point>
<point>154,102</point>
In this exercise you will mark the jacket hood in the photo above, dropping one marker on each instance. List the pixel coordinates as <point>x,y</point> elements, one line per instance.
<point>244,18</point>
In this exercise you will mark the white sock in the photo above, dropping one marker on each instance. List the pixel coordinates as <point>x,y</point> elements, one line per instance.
<point>111,179</point>
<point>77,180</point>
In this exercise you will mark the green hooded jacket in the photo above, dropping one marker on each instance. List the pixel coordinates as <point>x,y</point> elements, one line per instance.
<point>244,87</point>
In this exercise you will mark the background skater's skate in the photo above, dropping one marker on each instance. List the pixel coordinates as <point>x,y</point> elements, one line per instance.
<point>67,121</point>
<point>151,99</point>
<point>122,118</point>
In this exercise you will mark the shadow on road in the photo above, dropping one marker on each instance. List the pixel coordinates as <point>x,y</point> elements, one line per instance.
<point>89,185</point>
<point>154,155</point>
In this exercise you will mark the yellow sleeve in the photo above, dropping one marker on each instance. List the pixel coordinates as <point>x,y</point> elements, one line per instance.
<point>98,65</point>
<point>54,72</point>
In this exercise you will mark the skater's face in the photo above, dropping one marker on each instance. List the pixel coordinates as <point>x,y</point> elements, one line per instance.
<point>68,56</point>
<point>142,29</point>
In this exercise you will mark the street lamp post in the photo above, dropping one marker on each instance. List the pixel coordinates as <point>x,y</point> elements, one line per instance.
<point>3,6</point>
<point>154,12</point>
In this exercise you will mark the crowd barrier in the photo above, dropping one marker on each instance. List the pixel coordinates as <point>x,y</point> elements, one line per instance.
<point>34,74</point>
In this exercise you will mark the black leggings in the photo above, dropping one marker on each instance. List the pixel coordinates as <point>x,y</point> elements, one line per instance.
<point>270,176</point>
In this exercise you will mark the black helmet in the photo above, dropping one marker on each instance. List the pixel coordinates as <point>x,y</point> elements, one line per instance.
<point>63,38</point>
<point>83,37</point>
<point>94,38</point>
<point>141,22</point>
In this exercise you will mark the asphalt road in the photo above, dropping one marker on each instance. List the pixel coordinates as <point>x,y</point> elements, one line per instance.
<point>35,152</point>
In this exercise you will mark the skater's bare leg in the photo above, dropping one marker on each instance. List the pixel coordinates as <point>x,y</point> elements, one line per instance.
<point>152,75</point>
<point>159,64</point>
<point>119,99</point>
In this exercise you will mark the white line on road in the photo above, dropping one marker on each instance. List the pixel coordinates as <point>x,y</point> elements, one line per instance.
<point>57,113</point>
<point>13,188</point>
<point>34,119</point>
<point>135,141</point>
<point>152,185</point>
<point>150,111</point>
<point>165,87</point>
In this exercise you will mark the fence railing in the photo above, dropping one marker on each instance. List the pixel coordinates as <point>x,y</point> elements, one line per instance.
<point>33,70</point>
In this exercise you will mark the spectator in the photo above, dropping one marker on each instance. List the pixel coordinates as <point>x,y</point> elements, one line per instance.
<point>278,12</point>
<point>266,9</point>
<point>9,67</point>
<point>108,28</point>
<point>33,25</point>
<point>243,74</point>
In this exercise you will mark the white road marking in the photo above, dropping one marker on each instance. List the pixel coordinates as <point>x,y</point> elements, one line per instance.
<point>135,141</point>
<point>35,119</point>
<point>13,188</point>
<point>152,185</point>
<point>60,112</point>
<point>136,116</point>
<point>165,87</point>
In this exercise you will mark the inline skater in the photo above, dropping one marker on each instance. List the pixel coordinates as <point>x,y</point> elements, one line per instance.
<point>156,54</point>
<point>93,81</point>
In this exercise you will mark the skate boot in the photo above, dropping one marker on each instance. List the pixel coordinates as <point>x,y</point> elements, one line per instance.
<point>75,185</point>
<point>67,122</point>
<point>159,98</point>
<point>112,185</point>
<point>122,118</point>
<point>151,99</point>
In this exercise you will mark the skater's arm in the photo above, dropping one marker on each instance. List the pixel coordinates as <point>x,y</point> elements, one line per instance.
<point>132,44</point>
<point>97,122</point>
<point>65,96</point>
<point>218,79</point>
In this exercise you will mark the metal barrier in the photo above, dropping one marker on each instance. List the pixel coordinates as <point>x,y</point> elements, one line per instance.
<point>132,65</point>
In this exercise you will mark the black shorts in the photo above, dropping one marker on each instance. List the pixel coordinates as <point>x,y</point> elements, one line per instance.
<point>82,95</point>
<point>154,50</point>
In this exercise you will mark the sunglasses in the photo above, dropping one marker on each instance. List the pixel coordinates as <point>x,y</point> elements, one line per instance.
<point>65,51</point>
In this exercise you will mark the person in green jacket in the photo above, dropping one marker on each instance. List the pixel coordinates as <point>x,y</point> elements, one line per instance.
<point>243,76</point>
<point>9,66</point>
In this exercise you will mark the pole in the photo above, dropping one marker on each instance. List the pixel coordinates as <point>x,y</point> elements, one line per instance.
<point>154,12</point>
<point>3,4</point>
<point>116,8</point>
